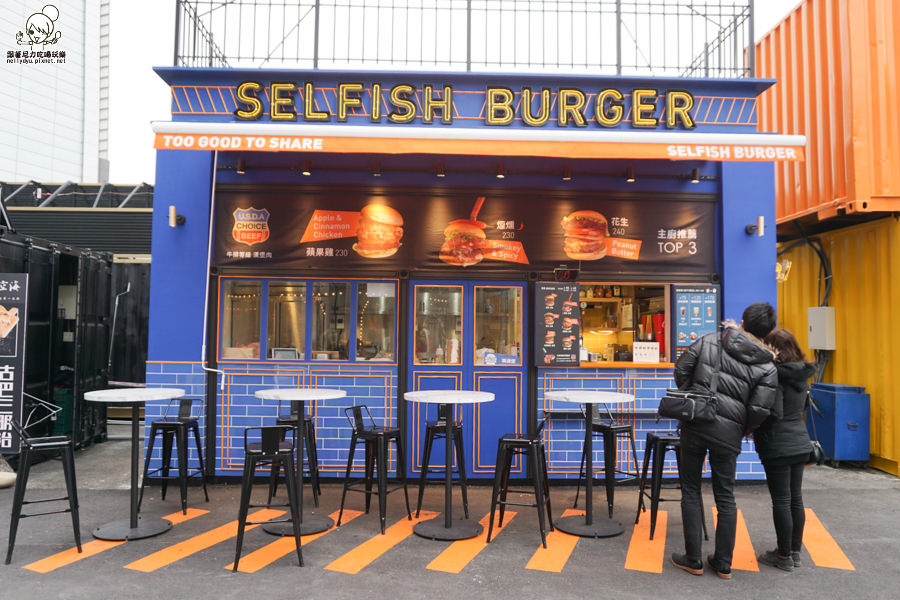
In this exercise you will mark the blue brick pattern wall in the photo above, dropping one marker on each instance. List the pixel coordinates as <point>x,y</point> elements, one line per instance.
<point>564,433</point>
<point>238,407</point>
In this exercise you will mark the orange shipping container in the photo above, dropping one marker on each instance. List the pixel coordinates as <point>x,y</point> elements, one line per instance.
<point>837,63</point>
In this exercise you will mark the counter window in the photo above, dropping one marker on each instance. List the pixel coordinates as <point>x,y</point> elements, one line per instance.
<point>240,319</point>
<point>376,313</point>
<point>438,325</point>
<point>614,316</point>
<point>498,325</point>
<point>330,321</point>
<point>286,320</point>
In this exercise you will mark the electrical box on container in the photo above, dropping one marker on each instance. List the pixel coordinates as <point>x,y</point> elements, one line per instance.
<point>821,327</point>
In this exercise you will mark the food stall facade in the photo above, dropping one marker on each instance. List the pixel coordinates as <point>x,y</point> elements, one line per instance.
<point>389,232</point>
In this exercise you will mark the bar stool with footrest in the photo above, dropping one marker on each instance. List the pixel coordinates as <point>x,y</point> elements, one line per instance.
<point>176,429</point>
<point>435,430</point>
<point>60,447</point>
<point>532,447</point>
<point>272,449</point>
<point>611,430</point>
<point>376,439</point>
<point>309,441</point>
<point>658,443</point>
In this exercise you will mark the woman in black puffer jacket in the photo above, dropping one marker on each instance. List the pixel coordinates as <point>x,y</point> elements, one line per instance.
<point>783,447</point>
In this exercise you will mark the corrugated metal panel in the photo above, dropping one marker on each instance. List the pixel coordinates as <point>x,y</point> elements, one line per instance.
<point>837,64</point>
<point>865,265</point>
<point>125,232</point>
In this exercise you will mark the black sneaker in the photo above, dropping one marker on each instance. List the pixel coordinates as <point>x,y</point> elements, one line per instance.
<point>694,567</point>
<point>795,556</point>
<point>723,573</point>
<point>773,559</point>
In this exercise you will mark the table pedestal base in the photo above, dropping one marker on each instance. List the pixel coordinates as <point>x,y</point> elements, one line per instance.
<point>600,528</point>
<point>119,531</point>
<point>312,523</point>
<point>460,529</point>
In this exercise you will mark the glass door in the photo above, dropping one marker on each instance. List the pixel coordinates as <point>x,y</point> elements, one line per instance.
<point>468,336</point>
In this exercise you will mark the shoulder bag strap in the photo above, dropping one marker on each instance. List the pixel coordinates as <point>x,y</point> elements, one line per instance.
<point>810,404</point>
<point>714,384</point>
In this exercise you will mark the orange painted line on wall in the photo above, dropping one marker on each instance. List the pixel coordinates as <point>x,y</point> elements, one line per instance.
<point>92,548</point>
<point>822,548</point>
<point>174,553</point>
<point>285,545</point>
<point>461,552</point>
<point>744,558</point>
<point>559,548</point>
<point>366,553</point>
<point>645,554</point>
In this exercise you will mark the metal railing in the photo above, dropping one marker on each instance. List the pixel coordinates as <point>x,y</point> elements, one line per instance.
<point>678,38</point>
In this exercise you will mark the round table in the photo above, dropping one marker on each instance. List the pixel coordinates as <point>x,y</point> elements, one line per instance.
<point>448,528</point>
<point>310,522</point>
<point>587,525</point>
<point>135,527</point>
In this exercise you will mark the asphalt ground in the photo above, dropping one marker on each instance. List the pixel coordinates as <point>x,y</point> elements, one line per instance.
<point>857,508</point>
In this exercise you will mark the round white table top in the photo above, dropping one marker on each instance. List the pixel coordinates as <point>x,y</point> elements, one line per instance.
<point>449,396</point>
<point>300,394</point>
<point>589,396</point>
<point>123,395</point>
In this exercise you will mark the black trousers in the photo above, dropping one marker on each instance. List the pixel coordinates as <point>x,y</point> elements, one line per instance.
<point>785,482</point>
<point>722,463</point>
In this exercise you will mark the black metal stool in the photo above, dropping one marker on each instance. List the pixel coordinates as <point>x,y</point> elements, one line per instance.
<point>176,429</point>
<point>309,443</point>
<point>532,447</point>
<point>57,447</point>
<point>376,440</point>
<point>655,451</point>
<point>610,430</point>
<point>437,430</point>
<point>274,450</point>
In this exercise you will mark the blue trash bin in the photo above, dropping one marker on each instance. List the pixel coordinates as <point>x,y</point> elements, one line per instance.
<point>843,427</point>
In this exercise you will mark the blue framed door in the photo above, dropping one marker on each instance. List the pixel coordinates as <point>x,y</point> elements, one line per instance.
<point>468,335</point>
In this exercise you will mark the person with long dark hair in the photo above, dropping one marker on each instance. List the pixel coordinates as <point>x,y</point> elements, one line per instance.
<point>782,443</point>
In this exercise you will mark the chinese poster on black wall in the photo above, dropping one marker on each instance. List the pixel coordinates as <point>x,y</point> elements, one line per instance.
<point>558,319</point>
<point>13,312</point>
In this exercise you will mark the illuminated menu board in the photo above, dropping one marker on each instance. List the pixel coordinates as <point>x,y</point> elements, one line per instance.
<point>558,319</point>
<point>696,314</point>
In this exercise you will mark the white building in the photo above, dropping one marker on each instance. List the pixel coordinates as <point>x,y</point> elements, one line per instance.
<point>54,122</point>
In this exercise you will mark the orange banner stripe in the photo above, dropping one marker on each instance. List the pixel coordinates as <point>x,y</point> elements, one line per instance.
<point>363,555</point>
<point>559,548</point>
<point>172,554</point>
<point>645,554</point>
<point>744,555</point>
<point>461,552</point>
<point>283,546</point>
<point>92,548</point>
<point>822,548</point>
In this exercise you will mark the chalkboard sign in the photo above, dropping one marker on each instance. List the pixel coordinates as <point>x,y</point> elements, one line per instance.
<point>558,318</point>
<point>696,314</point>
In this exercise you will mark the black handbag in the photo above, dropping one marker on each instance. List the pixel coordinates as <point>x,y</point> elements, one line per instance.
<point>692,406</point>
<point>816,452</point>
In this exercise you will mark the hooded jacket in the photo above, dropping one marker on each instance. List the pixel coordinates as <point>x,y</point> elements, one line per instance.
<point>784,434</point>
<point>746,387</point>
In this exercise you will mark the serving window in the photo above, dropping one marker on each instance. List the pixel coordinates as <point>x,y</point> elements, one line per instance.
<point>498,325</point>
<point>241,301</point>
<point>438,324</point>
<point>615,316</point>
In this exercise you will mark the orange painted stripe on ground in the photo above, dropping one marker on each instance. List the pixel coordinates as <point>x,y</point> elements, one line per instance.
<point>283,546</point>
<point>822,548</point>
<point>363,555</point>
<point>92,548</point>
<point>172,554</point>
<point>461,552</point>
<point>744,555</point>
<point>645,554</point>
<point>559,548</point>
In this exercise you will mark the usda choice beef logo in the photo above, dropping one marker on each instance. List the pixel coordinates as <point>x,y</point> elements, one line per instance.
<point>251,226</point>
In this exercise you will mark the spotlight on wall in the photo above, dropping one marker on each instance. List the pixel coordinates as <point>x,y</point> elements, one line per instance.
<point>239,169</point>
<point>759,229</point>
<point>695,175</point>
<point>440,170</point>
<point>306,172</point>
<point>174,218</point>
<point>567,174</point>
<point>376,172</point>
<point>500,173</point>
<point>629,174</point>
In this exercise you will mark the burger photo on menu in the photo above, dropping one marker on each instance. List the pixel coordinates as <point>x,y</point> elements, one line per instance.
<point>550,338</point>
<point>464,240</point>
<point>379,232</point>
<point>549,318</point>
<point>569,307</point>
<point>585,232</point>
<point>549,300</point>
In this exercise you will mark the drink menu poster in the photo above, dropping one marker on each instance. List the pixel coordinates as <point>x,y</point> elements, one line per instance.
<point>558,319</point>
<point>696,314</point>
